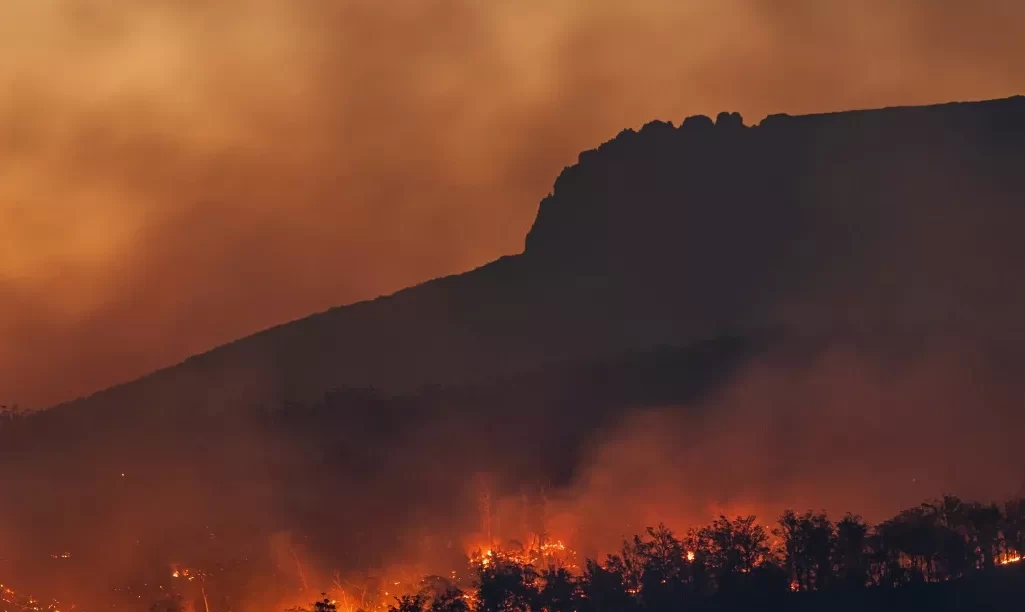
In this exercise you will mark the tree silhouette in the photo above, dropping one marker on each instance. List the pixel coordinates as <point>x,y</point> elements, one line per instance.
<point>733,548</point>
<point>559,592</point>
<point>984,521</point>
<point>664,570</point>
<point>321,605</point>
<point>324,605</point>
<point>409,603</point>
<point>452,599</point>
<point>629,564</point>
<point>437,594</point>
<point>850,556</point>
<point>603,590</point>
<point>809,541</point>
<point>1014,526</point>
<point>906,546</point>
<point>505,586</point>
<point>729,565</point>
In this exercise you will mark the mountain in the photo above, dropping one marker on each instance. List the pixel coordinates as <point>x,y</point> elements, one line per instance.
<point>899,219</point>
<point>822,309</point>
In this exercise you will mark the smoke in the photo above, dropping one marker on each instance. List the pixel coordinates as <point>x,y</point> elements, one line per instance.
<point>177,176</point>
<point>843,429</point>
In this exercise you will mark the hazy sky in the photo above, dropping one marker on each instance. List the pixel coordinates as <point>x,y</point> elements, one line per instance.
<point>174,175</point>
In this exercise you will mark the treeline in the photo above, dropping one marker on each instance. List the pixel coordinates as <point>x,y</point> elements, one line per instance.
<point>805,561</point>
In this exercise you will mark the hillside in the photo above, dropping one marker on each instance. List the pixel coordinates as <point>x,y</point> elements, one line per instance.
<point>852,221</point>
<point>813,310</point>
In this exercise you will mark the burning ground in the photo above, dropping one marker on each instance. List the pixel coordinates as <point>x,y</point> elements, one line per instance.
<point>264,512</point>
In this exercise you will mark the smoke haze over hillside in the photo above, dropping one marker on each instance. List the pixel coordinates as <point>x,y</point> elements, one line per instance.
<point>837,432</point>
<point>174,177</point>
<point>819,311</point>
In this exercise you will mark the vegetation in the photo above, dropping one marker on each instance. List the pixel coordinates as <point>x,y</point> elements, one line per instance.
<point>946,553</point>
<point>943,551</point>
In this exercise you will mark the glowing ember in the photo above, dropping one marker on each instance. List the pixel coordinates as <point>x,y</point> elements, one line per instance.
<point>26,603</point>
<point>187,573</point>
<point>1009,558</point>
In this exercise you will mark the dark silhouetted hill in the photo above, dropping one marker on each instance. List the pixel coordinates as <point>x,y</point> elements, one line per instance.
<point>872,221</point>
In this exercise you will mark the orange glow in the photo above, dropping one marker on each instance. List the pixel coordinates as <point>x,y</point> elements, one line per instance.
<point>26,603</point>
<point>550,553</point>
<point>1009,558</point>
<point>188,574</point>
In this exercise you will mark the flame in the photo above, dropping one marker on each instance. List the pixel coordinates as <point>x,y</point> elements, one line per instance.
<point>377,591</point>
<point>26,603</point>
<point>1009,558</point>
<point>553,552</point>
<point>187,573</point>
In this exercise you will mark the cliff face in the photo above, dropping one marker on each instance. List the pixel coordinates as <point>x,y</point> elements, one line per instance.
<point>731,222</point>
<point>880,220</point>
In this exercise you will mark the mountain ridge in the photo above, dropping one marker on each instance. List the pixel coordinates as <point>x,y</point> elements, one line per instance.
<point>596,273</point>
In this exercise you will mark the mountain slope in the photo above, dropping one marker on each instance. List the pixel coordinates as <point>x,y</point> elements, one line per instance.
<point>822,309</point>
<point>666,235</point>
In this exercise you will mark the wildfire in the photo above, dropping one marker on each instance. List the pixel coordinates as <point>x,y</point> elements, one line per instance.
<point>487,557</point>
<point>26,603</point>
<point>375,593</point>
<point>552,552</point>
<point>378,589</point>
<point>1009,558</point>
<point>187,573</point>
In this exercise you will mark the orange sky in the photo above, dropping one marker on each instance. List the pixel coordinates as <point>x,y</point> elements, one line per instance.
<point>172,178</point>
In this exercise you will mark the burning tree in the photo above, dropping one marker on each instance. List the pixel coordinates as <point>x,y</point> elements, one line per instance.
<point>1014,531</point>
<point>506,586</point>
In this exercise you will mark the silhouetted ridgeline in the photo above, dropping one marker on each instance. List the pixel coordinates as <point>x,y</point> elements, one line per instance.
<point>896,219</point>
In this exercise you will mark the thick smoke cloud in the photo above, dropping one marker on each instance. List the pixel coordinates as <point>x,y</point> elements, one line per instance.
<point>177,176</point>
<point>842,429</point>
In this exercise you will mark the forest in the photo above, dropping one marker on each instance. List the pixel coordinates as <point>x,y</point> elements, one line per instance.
<point>943,554</point>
